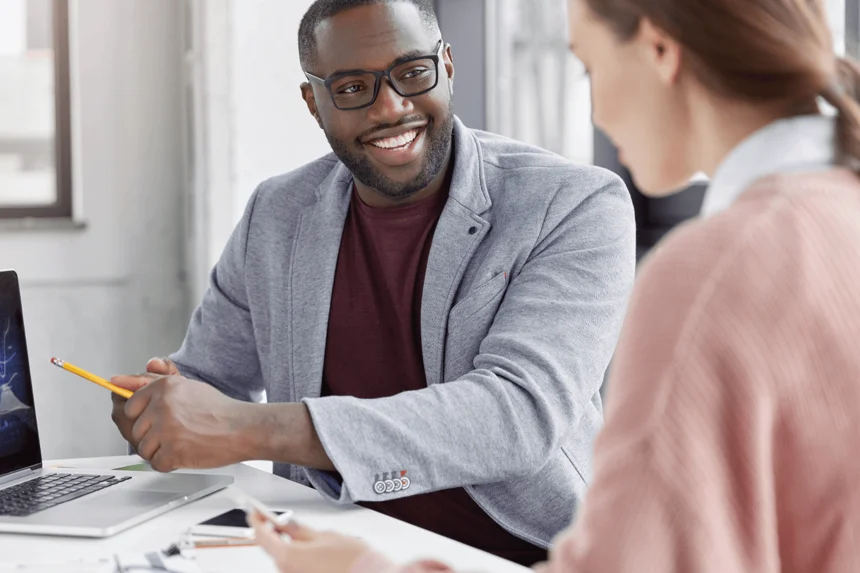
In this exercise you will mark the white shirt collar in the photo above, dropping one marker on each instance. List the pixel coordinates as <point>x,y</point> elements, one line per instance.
<point>797,144</point>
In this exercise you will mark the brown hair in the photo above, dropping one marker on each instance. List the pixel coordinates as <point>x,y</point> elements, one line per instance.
<point>775,51</point>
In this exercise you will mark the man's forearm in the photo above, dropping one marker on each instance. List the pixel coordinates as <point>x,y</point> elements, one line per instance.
<point>282,433</point>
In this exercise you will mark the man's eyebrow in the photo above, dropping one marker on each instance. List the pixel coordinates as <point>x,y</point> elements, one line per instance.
<point>407,56</point>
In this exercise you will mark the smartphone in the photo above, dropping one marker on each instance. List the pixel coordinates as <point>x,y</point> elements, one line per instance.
<point>234,524</point>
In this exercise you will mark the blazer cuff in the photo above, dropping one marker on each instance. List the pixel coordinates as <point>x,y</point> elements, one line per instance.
<point>369,471</point>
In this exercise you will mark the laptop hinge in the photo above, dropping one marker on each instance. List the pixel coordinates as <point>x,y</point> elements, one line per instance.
<point>20,474</point>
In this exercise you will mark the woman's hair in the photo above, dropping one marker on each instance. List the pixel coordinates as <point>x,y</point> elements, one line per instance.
<point>768,51</point>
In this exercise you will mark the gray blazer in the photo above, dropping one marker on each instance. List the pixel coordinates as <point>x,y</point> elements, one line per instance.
<point>528,278</point>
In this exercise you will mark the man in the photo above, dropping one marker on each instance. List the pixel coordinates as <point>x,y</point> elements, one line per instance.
<point>430,310</point>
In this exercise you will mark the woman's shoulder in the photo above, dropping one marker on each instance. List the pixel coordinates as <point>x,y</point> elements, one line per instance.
<point>697,256</point>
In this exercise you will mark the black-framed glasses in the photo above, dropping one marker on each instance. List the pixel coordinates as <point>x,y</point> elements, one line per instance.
<point>359,88</point>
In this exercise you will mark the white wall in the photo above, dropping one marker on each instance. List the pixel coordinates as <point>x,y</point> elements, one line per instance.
<point>111,295</point>
<point>256,124</point>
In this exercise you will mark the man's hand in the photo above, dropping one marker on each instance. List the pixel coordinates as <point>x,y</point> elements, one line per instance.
<point>177,423</point>
<point>154,368</point>
<point>182,423</point>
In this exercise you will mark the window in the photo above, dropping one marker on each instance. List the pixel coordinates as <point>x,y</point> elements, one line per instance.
<point>836,19</point>
<point>535,85</point>
<point>35,159</point>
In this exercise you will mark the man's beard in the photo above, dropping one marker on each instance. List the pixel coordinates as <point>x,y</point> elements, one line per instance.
<point>438,143</point>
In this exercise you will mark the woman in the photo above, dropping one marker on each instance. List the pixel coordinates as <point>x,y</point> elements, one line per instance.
<point>732,433</point>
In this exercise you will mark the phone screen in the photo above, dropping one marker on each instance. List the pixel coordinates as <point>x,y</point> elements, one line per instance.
<point>232,518</point>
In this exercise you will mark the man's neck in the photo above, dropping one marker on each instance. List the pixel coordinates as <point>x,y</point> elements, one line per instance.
<point>373,198</point>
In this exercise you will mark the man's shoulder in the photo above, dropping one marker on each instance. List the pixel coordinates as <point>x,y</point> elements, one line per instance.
<point>298,186</point>
<point>529,179</point>
<point>507,161</point>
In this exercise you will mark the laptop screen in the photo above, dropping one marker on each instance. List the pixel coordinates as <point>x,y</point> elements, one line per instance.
<point>19,437</point>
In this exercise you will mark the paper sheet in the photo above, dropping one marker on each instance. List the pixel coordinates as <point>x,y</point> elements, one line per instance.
<point>157,561</point>
<point>235,559</point>
<point>106,565</point>
<point>116,564</point>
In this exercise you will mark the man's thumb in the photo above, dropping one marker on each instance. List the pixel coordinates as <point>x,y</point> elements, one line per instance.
<point>162,366</point>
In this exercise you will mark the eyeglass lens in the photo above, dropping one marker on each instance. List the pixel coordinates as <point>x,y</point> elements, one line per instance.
<point>408,79</point>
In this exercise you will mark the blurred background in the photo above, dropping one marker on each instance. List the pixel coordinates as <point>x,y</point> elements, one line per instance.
<point>132,132</point>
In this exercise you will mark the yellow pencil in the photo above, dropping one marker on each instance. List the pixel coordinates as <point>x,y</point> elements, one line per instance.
<point>91,377</point>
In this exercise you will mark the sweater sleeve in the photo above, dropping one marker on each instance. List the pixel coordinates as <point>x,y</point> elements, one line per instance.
<point>626,524</point>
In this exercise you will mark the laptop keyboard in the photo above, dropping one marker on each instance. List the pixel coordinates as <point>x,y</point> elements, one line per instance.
<point>50,490</point>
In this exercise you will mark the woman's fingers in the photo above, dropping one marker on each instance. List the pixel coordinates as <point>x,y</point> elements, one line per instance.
<point>268,538</point>
<point>298,532</point>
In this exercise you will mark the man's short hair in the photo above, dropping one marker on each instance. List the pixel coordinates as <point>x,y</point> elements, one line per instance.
<point>322,10</point>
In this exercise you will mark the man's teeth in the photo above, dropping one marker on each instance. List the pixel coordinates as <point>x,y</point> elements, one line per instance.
<point>395,142</point>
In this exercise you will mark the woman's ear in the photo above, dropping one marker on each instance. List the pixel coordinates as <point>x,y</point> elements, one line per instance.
<point>661,50</point>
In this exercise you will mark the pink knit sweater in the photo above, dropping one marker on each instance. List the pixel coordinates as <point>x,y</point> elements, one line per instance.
<point>732,437</point>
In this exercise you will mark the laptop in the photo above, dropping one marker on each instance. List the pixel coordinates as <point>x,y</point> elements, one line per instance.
<point>75,502</point>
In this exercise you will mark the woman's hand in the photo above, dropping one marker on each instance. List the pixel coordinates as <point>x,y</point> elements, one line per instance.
<point>310,551</point>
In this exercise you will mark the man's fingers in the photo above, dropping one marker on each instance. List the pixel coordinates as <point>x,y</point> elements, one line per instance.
<point>132,382</point>
<point>155,368</point>
<point>135,405</point>
<point>270,541</point>
<point>162,366</point>
<point>148,448</point>
<point>141,428</point>
<point>159,461</point>
<point>298,532</point>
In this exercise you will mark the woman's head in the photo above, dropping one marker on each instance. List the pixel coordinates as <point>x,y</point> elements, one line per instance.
<point>670,76</point>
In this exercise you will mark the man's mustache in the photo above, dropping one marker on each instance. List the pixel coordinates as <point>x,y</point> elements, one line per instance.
<point>408,119</point>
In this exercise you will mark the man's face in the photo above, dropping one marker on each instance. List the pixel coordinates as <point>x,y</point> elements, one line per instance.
<point>398,145</point>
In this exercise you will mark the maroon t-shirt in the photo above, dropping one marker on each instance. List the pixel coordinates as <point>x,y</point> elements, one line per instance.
<point>373,350</point>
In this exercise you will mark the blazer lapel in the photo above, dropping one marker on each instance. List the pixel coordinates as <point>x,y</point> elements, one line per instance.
<point>312,279</point>
<point>459,232</point>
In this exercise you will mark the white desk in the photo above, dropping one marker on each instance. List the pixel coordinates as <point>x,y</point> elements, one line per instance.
<point>400,541</point>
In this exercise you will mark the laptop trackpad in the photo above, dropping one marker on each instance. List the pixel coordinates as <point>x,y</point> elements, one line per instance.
<point>130,499</point>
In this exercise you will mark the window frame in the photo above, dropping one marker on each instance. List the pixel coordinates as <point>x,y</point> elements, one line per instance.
<point>62,207</point>
<point>852,28</point>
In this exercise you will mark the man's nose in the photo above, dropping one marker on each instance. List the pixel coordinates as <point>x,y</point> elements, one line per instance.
<point>390,106</point>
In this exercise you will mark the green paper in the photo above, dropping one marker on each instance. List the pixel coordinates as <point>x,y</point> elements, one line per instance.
<point>144,467</point>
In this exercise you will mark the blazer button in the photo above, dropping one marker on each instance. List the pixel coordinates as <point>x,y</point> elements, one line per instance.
<point>473,230</point>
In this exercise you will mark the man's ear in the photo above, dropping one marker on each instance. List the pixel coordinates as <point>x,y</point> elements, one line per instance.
<point>311,102</point>
<point>448,59</point>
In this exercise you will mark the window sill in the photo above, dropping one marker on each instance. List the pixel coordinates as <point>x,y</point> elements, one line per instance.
<point>42,224</point>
